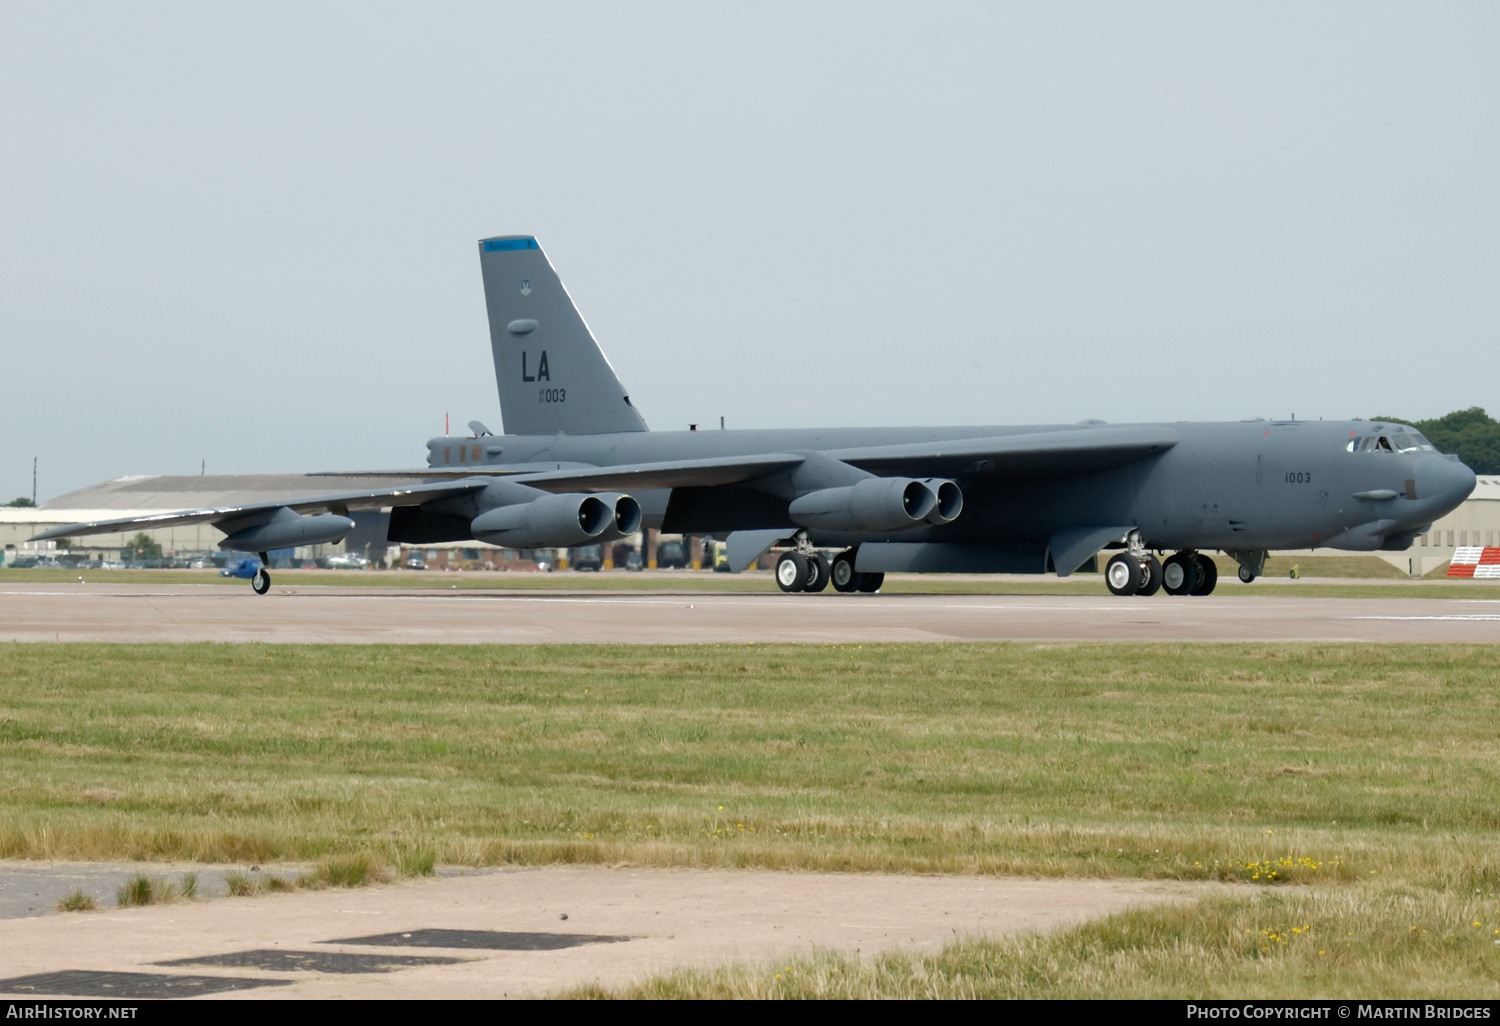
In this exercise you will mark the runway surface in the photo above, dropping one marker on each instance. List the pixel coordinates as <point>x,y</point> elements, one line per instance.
<point>515,932</point>
<point>316,615</point>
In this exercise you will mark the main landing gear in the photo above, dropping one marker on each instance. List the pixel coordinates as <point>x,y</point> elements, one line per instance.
<point>1136,572</point>
<point>806,569</point>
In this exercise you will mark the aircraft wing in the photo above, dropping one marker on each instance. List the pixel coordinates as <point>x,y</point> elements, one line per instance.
<point>670,474</point>
<point>374,498</point>
<point>1083,450</point>
<point>588,477</point>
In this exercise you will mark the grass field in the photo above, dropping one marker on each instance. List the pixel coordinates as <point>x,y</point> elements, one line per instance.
<point>1369,773</point>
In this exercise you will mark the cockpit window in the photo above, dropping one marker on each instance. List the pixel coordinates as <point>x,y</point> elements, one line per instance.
<point>1396,441</point>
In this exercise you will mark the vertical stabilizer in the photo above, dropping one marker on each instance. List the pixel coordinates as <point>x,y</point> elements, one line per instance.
<point>551,373</point>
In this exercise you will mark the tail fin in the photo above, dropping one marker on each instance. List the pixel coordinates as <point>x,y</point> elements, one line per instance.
<point>551,373</point>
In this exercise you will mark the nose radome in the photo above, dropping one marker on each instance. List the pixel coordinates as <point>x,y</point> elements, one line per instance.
<point>1443,483</point>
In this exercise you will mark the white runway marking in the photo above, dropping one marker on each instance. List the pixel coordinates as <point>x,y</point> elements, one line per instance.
<point>1450,616</point>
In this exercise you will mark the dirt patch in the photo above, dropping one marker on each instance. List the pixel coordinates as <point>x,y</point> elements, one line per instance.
<point>654,920</point>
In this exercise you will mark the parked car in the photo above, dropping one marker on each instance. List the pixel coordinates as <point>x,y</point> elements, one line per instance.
<point>415,562</point>
<point>346,561</point>
<point>588,557</point>
<point>672,555</point>
<point>244,568</point>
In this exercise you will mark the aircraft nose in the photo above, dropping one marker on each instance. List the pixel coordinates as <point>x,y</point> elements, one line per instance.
<point>1442,484</point>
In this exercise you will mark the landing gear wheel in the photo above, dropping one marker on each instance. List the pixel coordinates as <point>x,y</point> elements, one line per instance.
<point>1151,576</point>
<point>1210,574</point>
<point>870,583</point>
<point>791,572</point>
<point>1181,574</point>
<point>818,570</point>
<point>1123,575</point>
<point>843,575</point>
<point>1246,576</point>
<point>261,582</point>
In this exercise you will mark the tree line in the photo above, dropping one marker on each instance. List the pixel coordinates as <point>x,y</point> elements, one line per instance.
<point>1472,435</point>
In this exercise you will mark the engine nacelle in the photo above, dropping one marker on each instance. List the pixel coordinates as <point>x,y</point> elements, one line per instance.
<point>878,504</point>
<point>286,529</point>
<point>558,521</point>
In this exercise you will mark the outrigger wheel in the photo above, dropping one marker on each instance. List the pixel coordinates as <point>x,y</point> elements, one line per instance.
<point>261,581</point>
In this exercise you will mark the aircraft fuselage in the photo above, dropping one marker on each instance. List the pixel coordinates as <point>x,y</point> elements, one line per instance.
<point>1238,485</point>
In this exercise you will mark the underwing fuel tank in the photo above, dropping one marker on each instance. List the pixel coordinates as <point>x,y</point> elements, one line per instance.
<point>286,530</point>
<point>559,521</point>
<point>879,504</point>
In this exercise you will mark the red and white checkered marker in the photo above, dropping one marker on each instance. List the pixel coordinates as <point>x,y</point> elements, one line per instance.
<point>1475,561</point>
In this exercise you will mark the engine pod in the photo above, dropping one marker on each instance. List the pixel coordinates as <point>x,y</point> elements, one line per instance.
<point>286,529</point>
<point>552,521</point>
<point>875,504</point>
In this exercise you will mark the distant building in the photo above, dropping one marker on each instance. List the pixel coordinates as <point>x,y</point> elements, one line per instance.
<point>1476,522</point>
<point>144,495</point>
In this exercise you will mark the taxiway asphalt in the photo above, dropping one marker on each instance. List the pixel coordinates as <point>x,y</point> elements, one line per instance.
<point>343,615</point>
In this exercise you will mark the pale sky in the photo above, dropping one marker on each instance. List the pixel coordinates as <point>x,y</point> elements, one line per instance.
<point>246,233</point>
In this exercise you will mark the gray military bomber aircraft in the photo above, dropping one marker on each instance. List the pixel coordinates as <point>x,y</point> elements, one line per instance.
<point>577,465</point>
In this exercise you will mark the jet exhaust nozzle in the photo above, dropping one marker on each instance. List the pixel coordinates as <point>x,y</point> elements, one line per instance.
<point>950,500</point>
<point>878,504</point>
<point>286,529</point>
<point>627,516</point>
<point>552,521</point>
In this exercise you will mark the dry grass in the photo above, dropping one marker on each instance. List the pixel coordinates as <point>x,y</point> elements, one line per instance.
<point>1354,942</point>
<point>77,901</point>
<point>149,890</point>
<point>359,869</point>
